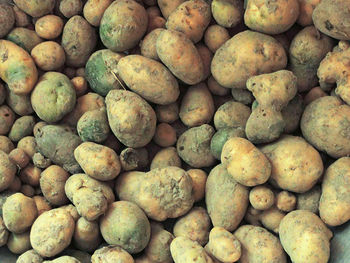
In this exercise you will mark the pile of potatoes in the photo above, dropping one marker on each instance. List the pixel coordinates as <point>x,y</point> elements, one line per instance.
<point>159,131</point>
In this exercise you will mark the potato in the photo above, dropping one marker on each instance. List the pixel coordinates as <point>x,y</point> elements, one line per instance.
<point>49,26</point>
<point>18,70</point>
<point>215,88</point>
<point>271,17</point>
<point>153,191</point>
<point>123,24</point>
<point>165,135</point>
<point>306,51</point>
<point>199,179</point>
<point>259,245</point>
<point>153,11</point>
<point>48,55</point>
<point>193,146</point>
<point>4,233</point>
<point>6,145</point>
<point>127,226</point>
<point>197,106</point>
<point>52,182</point>
<point>20,104</point>
<point>28,144</point>
<point>231,115</point>
<point>7,170</point>
<point>231,69</point>
<point>223,245</point>
<point>7,118</point>
<point>261,197</point>
<point>314,94</point>
<point>307,7</point>
<point>72,210</point>
<point>21,18</point>
<point>166,157</point>
<point>167,7</point>
<point>215,36</point>
<point>309,200</point>
<point>40,161</point>
<point>111,254</point>
<point>41,204</point>
<point>291,114</point>
<point>19,213</point>
<point>91,197</point>
<point>155,22</point>
<point>286,201</point>
<point>133,159</point>
<point>148,44</point>
<point>330,24</point>
<point>36,8</point>
<point>131,118</point>
<point>25,38</point>
<point>207,57</point>
<point>21,128</point>
<point>19,243</point>
<point>52,232</point>
<point>325,123</point>
<point>227,13</point>
<point>243,96</point>
<point>225,210</point>
<point>97,161</point>
<point>305,237</point>
<point>70,8</point>
<point>271,218</point>
<point>2,94</point>
<point>63,259</point>
<point>30,175</point>
<point>94,9</point>
<point>58,144</point>
<point>148,78</point>
<point>86,235</point>
<point>244,162</point>
<point>27,190</point>
<point>30,256</point>
<point>7,19</point>
<point>80,85</point>
<point>167,113</point>
<point>180,56</point>
<point>101,71</point>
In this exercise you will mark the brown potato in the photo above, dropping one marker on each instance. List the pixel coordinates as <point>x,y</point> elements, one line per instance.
<point>20,104</point>
<point>148,44</point>
<point>111,254</point>
<point>94,9</point>
<point>215,36</point>
<point>307,7</point>
<point>19,157</point>
<point>7,19</point>
<point>36,8</point>
<point>42,204</point>
<point>166,157</point>
<point>227,13</point>
<point>87,235</point>
<point>309,200</point>
<point>231,115</point>
<point>286,201</point>
<point>48,56</point>
<point>167,113</point>
<point>6,145</point>
<point>199,179</point>
<point>7,118</point>
<point>70,8</point>
<point>49,26</point>
<point>133,159</point>
<point>168,6</point>
<point>30,175</point>
<point>261,197</point>
<point>271,219</point>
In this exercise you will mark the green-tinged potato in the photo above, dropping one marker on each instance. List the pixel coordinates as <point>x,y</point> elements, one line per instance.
<point>70,8</point>
<point>48,55</point>
<point>167,113</point>
<point>305,237</point>
<point>148,44</point>
<point>296,165</point>
<point>259,245</point>
<point>89,196</point>
<point>244,162</point>
<point>7,170</point>
<point>126,225</point>
<point>123,24</point>
<point>30,256</point>
<point>309,200</point>
<point>326,124</point>
<point>307,7</point>
<point>247,54</point>
<point>52,232</point>
<point>166,157</point>
<point>199,179</point>
<point>7,118</point>
<point>94,9</point>
<point>271,219</point>
<point>86,235</point>
<point>63,259</point>
<point>131,118</point>
<point>167,7</point>
<point>101,71</point>
<point>225,210</point>
<point>231,115</point>
<point>58,144</point>
<point>261,197</point>
<point>329,17</point>
<point>6,145</point>
<point>134,159</point>
<point>4,233</point>
<point>19,243</point>
<point>7,19</point>
<point>242,95</point>
<point>53,97</point>
<point>215,36</point>
<point>291,114</point>
<point>28,145</point>
<point>193,146</point>
<point>25,38</point>
<point>180,56</point>
<point>36,8</point>
<point>20,104</point>
<point>191,18</point>
<point>273,17</point>
<point>18,69</point>
<point>148,78</point>
<point>19,213</point>
<point>227,13</point>
<point>21,128</point>
<point>49,26</point>
<point>78,41</point>
<point>153,191</point>
<point>111,254</point>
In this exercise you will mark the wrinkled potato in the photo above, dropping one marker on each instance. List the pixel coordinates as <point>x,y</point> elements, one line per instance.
<point>261,197</point>
<point>20,104</point>
<point>309,200</point>
<point>227,13</point>
<point>49,26</point>
<point>35,8</point>
<point>148,45</point>
<point>30,256</point>
<point>111,254</point>
<point>25,38</point>
<point>286,201</point>
<point>48,55</point>
<point>7,19</point>
<point>94,9</point>
<point>7,170</point>
<point>166,157</point>
<point>86,235</point>
<point>271,218</point>
<point>21,128</point>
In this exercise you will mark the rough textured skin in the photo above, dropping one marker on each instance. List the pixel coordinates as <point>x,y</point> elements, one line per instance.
<point>7,19</point>
<point>231,115</point>
<point>94,9</point>
<point>7,170</point>
<point>180,56</point>
<point>134,159</point>
<point>185,250</point>
<point>63,259</point>
<point>247,54</point>
<point>259,245</point>
<point>131,118</point>
<point>52,232</point>
<point>261,197</point>
<point>148,78</point>
<point>126,225</point>
<point>25,38</point>
<point>330,24</point>
<point>48,55</point>
<point>31,256</point>
<point>166,157</point>
<point>20,104</point>
<point>305,237</point>
<point>17,68</point>
<point>148,45</point>
<point>309,200</point>
<point>123,24</point>
<point>162,193</point>
<point>36,8</point>
<point>49,26</point>
<point>335,199</point>
<point>325,124</point>
<point>58,143</point>
<point>225,210</point>
<point>227,13</point>
<point>111,254</point>
<point>22,127</point>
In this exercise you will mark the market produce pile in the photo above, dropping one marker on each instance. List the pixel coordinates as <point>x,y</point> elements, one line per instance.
<point>159,131</point>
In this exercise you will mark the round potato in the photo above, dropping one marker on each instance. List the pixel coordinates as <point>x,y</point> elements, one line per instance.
<point>231,115</point>
<point>166,157</point>
<point>199,179</point>
<point>30,256</point>
<point>271,218</point>
<point>49,26</point>
<point>286,201</point>
<point>21,128</point>
<point>215,36</point>
<point>48,55</point>
<point>94,9</point>
<point>28,144</point>
<point>307,7</point>
<point>167,113</point>
<point>261,197</point>
<point>70,8</point>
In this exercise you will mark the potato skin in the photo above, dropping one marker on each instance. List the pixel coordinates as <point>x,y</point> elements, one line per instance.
<point>48,55</point>
<point>49,26</point>
<point>123,24</point>
<point>225,210</point>
<point>36,8</point>
<point>227,13</point>
<point>24,37</point>
<point>7,19</point>
<point>310,200</point>
<point>110,254</point>
<point>148,44</point>
<point>166,157</point>
<point>30,256</point>
<point>148,78</point>
<point>20,104</point>
<point>215,36</point>
<point>21,128</point>
<point>7,169</point>
<point>231,114</point>
<point>231,68</point>
<point>180,56</point>
<point>307,7</point>
<point>4,233</point>
<point>86,235</point>
<point>167,7</point>
<point>94,9</point>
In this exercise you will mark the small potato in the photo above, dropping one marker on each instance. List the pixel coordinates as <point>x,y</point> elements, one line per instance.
<point>94,9</point>
<point>148,44</point>
<point>223,245</point>
<point>25,38</point>
<point>16,185</point>
<point>231,115</point>
<point>148,78</point>
<point>227,13</point>
<point>153,11</point>
<point>7,19</point>
<point>286,201</point>
<point>165,135</point>
<point>20,104</point>
<point>167,113</point>
<point>97,161</point>
<point>52,232</point>
<point>7,170</point>
<point>21,128</point>
<point>19,213</point>
<point>305,237</point>
<point>271,219</point>
<point>28,144</point>
<point>206,56</point>
<point>36,8</point>
<point>80,85</point>
<point>167,7</point>
<point>309,200</point>
<point>4,233</point>
<point>215,88</point>
<point>42,204</point>
<point>259,245</point>
<point>133,159</point>
<point>19,243</point>
<point>27,190</point>
<point>314,94</point>
<point>70,8</point>
<point>215,36</point>
<point>7,118</point>
<point>225,210</point>
<point>40,161</point>
<point>6,145</point>
<point>197,106</point>
<point>49,56</point>
<point>30,256</point>
<point>155,22</point>
<point>244,162</point>
<point>111,254</point>
<point>307,7</point>
<point>130,20</point>
<point>126,225</point>
<point>180,56</point>
<point>243,96</point>
<point>49,26</point>
<point>291,114</point>
<point>199,179</point>
<point>193,146</point>
<point>30,175</point>
<point>261,197</point>
<point>86,235</point>
<point>19,157</point>
<point>166,157</point>
<point>296,165</point>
